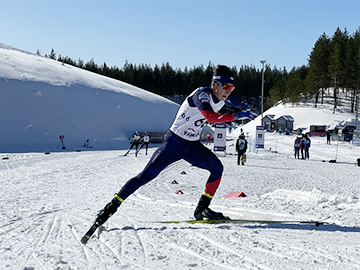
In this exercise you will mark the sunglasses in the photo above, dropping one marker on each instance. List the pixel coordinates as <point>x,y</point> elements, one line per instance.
<point>226,87</point>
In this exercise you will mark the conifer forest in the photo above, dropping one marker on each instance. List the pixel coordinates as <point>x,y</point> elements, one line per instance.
<point>333,62</point>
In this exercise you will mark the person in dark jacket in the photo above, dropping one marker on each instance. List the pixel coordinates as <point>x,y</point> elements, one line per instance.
<point>328,137</point>
<point>241,147</point>
<point>297,147</point>
<point>306,142</point>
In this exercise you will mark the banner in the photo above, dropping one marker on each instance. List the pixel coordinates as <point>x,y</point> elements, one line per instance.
<point>220,137</point>
<point>260,137</point>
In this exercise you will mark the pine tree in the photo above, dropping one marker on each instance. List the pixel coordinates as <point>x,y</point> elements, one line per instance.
<point>295,84</point>
<point>352,64</point>
<point>277,92</point>
<point>52,55</point>
<point>92,66</point>
<point>336,61</point>
<point>319,68</point>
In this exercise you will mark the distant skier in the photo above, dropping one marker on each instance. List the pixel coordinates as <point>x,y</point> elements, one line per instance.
<point>241,147</point>
<point>145,140</point>
<point>182,142</point>
<point>87,144</point>
<point>135,141</point>
<point>297,147</point>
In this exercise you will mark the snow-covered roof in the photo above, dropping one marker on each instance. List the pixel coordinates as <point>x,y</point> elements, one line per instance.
<point>287,118</point>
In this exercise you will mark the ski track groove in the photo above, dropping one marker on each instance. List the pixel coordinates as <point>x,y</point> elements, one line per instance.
<point>129,232</point>
<point>83,248</point>
<point>36,246</point>
<point>111,250</point>
<point>330,256</point>
<point>297,250</point>
<point>216,244</point>
<point>143,248</point>
<point>122,245</point>
<point>38,261</point>
<point>273,247</point>
<point>16,223</point>
<point>12,172</point>
<point>48,228</point>
<point>52,225</point>
<point>104,254</point>
<point>194,254</point>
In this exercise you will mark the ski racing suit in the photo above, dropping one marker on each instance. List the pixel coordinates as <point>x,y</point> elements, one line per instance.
<point>182,141</point>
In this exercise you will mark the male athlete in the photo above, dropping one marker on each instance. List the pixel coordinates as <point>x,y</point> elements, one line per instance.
<point>135,141</point>
<point>182,142</point>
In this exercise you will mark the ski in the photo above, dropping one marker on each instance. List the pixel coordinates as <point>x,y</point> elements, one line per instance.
<point>220,221</point>
<point>89,233</point>
<point>317,223</point>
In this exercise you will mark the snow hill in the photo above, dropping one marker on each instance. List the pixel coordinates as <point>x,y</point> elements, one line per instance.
<point>41,99</point>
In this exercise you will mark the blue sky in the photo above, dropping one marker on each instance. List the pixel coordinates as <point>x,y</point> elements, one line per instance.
<point>183,33</point>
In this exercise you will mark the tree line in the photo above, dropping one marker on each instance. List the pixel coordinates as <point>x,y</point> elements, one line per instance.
<point>333,62</point>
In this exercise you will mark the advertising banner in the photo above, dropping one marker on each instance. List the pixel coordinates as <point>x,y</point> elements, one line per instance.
<point>260,137</point>
<point>220,137</point>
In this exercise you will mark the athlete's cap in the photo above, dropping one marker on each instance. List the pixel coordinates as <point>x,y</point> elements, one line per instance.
<point>224,77</point>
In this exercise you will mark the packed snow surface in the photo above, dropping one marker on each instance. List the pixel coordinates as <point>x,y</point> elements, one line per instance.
<point>49,201</point>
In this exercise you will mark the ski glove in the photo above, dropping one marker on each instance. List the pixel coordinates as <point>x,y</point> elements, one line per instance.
<point>243,115</point>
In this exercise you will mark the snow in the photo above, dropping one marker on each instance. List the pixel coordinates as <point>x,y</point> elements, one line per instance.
<point>48,201</point>
<point>42,99</point>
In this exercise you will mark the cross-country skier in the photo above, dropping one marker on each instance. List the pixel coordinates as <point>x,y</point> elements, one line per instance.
<point>182,142</point>
<point>135,141</point>
<point>241,147</point>
<point>145,140</point>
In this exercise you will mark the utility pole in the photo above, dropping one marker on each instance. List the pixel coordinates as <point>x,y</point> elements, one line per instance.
<point>262,88</point>
<point>357,110</point>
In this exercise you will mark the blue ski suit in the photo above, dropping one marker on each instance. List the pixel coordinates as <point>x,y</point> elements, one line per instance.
<point>182,141</point>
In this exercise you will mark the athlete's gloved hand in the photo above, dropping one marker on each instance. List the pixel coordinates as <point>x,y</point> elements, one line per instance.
<point>243,115</point>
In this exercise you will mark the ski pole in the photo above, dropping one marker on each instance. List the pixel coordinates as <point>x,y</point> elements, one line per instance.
<point>337,147</point>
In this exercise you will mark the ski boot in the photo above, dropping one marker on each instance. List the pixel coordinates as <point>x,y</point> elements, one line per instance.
<point>102,217</point>
<point>108,210</point>
<point>203,211</point>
